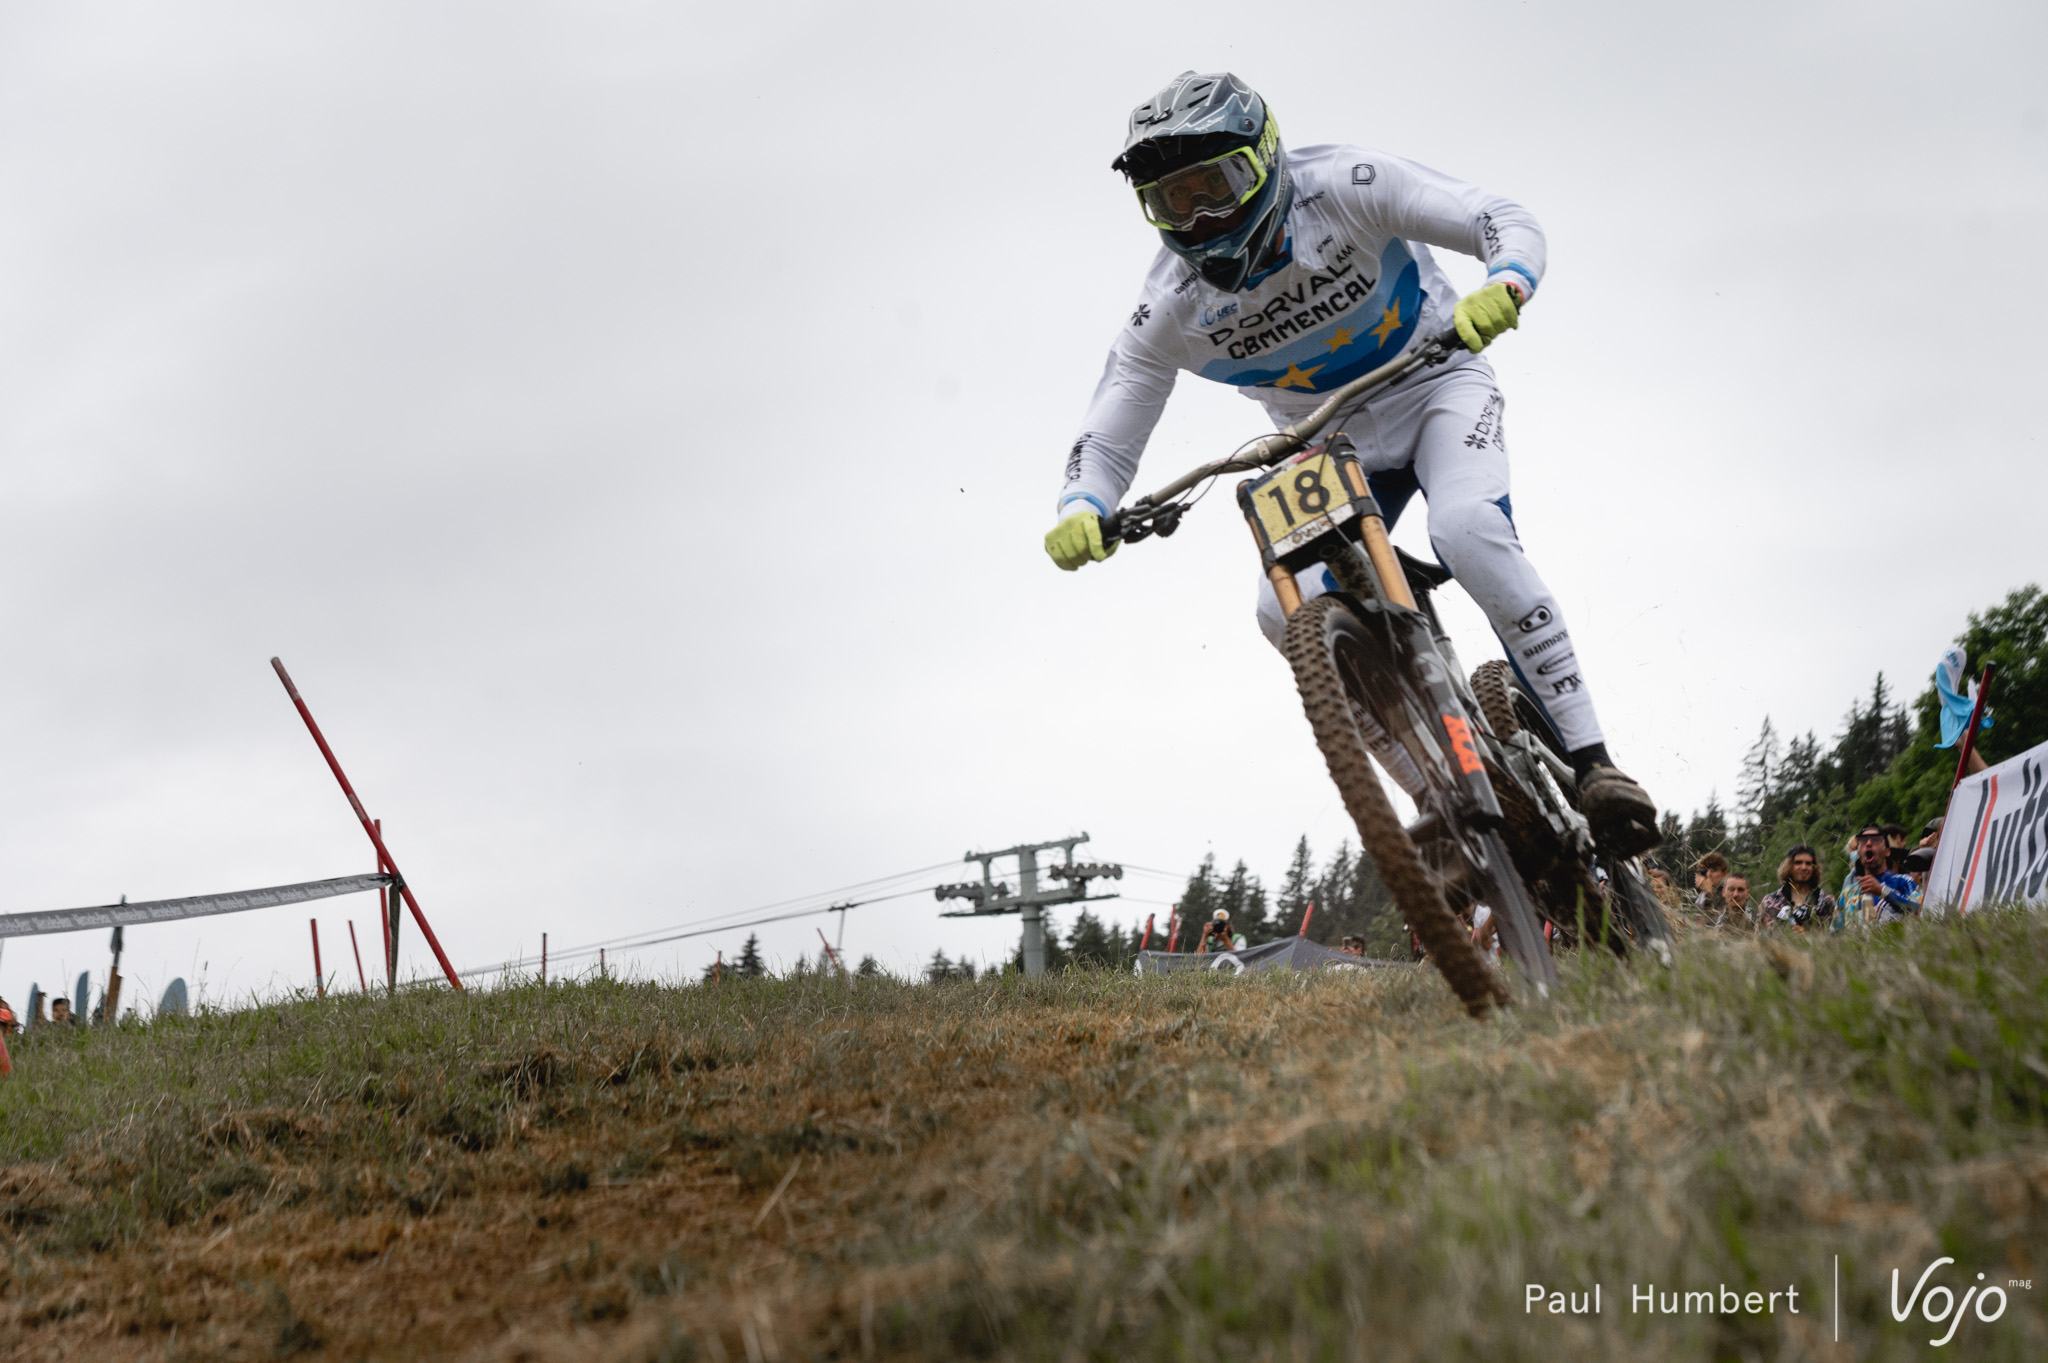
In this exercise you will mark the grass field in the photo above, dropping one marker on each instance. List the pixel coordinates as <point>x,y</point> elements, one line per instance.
<point>1091,1166</point>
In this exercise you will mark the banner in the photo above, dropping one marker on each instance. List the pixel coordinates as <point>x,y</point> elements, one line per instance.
<point>1289,953</point>
<point>1994,842</point>
<point>168,910</point>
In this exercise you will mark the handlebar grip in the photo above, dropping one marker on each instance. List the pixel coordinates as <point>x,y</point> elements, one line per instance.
<point>1112,527</point>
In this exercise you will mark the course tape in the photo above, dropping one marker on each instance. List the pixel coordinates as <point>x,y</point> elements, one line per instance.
<point>170,910</point>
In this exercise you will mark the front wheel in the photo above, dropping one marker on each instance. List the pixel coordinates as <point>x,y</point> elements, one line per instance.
<point>1330,652</point>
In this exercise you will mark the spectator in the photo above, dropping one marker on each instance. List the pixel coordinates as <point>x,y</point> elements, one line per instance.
<point>1216,930</point>
<point>1661,886</point>
<point>1354,945</point>
<point>1486,933</point>
<point>1918,862</point>
<point>60,1010</point>
<point>1798,902</point>
<point>1735,894</point>
<point>1873,891</point>
<point>8,1022</point>
<point>1713,869</point>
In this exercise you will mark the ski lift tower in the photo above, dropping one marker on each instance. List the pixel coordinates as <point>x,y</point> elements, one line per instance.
<point>992,896</point>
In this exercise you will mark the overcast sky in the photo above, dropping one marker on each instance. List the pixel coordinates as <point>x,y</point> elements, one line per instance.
<point>636,425</point>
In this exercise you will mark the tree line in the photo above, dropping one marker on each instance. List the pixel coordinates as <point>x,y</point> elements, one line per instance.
<point>1881,767</point>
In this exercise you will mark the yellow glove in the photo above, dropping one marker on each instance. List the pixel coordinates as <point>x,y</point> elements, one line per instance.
<point>1076,540</point>
<point>1486,314</point>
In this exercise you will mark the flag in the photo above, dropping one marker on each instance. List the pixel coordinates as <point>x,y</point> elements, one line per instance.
<point>1958,698</point>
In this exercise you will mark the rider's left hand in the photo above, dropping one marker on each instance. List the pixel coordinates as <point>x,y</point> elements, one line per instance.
<point>1486,314</point>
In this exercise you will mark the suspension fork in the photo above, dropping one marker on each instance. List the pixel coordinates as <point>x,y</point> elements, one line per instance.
<point>1384,580</point>
<point>1371,574</point>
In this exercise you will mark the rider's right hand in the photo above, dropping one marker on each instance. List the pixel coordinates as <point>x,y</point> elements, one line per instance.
<point>1076,540</point>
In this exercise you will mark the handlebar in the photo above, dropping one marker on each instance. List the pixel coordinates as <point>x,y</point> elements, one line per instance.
<point>1158,513</point>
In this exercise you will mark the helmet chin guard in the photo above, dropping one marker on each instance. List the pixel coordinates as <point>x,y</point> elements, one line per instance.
<point>1195,122</point>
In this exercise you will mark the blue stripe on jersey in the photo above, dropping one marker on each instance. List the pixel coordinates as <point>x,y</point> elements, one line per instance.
<point>1360,334</point>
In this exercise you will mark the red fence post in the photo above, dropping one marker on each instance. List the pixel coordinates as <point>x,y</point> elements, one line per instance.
<point>319,979</point>
<point>1148,931</point>
<point>1306,914</point>
<point>832,955</point>
<point>353,946</point>
<point>384,858</point>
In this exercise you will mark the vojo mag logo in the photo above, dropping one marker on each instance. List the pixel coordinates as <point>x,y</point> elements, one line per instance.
<point>1950,1312</point>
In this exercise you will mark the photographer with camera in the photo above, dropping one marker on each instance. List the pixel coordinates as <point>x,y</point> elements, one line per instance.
<point>1874,892</point>
<point>1798,902</point>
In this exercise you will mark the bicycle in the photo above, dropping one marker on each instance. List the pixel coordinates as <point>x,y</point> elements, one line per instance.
<point>1497,821</point>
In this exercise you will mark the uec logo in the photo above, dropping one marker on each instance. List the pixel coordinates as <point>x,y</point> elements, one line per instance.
<point>1951,1310</point>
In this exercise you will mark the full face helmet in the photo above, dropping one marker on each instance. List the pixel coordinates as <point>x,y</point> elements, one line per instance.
<point>1204,156</point>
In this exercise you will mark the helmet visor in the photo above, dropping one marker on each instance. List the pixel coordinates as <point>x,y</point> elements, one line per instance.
<point>1207,189</point>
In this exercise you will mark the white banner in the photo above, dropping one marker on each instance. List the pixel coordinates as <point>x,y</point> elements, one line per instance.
<point>168,910</point>
<point>1994,842</point>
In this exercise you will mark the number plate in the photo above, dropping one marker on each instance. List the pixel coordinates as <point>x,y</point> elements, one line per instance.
<point>1296,503</point>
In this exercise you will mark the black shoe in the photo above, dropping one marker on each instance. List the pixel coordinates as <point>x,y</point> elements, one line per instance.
<point>1623,816</point>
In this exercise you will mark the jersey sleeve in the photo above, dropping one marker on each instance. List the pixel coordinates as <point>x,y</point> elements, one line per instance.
<point>1405,199</point>
<point>1136,381</point>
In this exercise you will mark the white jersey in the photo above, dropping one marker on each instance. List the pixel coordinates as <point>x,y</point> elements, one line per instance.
<point>1361,288</point>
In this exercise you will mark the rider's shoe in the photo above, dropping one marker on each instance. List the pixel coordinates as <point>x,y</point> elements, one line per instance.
<point>1622,814</point>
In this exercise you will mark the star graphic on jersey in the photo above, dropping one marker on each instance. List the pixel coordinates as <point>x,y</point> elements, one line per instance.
<point>1338,339</point>
<point>1297,377</point>
<point>1390,322</point>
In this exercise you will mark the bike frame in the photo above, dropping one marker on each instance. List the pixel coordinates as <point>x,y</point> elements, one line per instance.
<point>1352,542</point>
<point>1368,569</point>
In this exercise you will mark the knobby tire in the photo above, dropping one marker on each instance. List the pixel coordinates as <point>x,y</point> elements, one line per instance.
<point>1310,648</point>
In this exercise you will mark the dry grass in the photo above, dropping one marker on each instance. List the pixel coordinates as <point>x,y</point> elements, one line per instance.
<point>1087,1167</point>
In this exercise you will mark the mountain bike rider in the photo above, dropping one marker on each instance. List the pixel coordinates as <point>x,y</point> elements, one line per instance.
<point>1289,273</point>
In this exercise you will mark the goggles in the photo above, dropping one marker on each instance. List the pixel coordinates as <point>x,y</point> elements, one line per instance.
<point>1207,189</point>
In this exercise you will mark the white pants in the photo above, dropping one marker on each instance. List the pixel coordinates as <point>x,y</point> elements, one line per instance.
<point>1441,435</point>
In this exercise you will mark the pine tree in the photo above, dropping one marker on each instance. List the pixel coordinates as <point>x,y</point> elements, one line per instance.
<point>1198,900</point>
<point>1708,831</point>
<point>1759,771</point>
<point>938,967</point>
<point>1089,944</point>
<point>869,969</point>
<point>750,966</point>
<point>1332,895</point>
<point>1798,778</point>
<point>1297,891</point>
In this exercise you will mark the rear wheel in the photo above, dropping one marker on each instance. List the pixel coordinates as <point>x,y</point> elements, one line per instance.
<point>1332,657</point>
<point>1625,901</point>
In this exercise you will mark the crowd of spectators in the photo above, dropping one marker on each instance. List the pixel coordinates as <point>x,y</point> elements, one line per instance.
<point>1886,883</point>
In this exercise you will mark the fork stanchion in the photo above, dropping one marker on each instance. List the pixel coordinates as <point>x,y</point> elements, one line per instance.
<point>1380,549</point>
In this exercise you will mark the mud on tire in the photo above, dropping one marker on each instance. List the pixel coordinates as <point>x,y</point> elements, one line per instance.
<point>1324,642</point>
